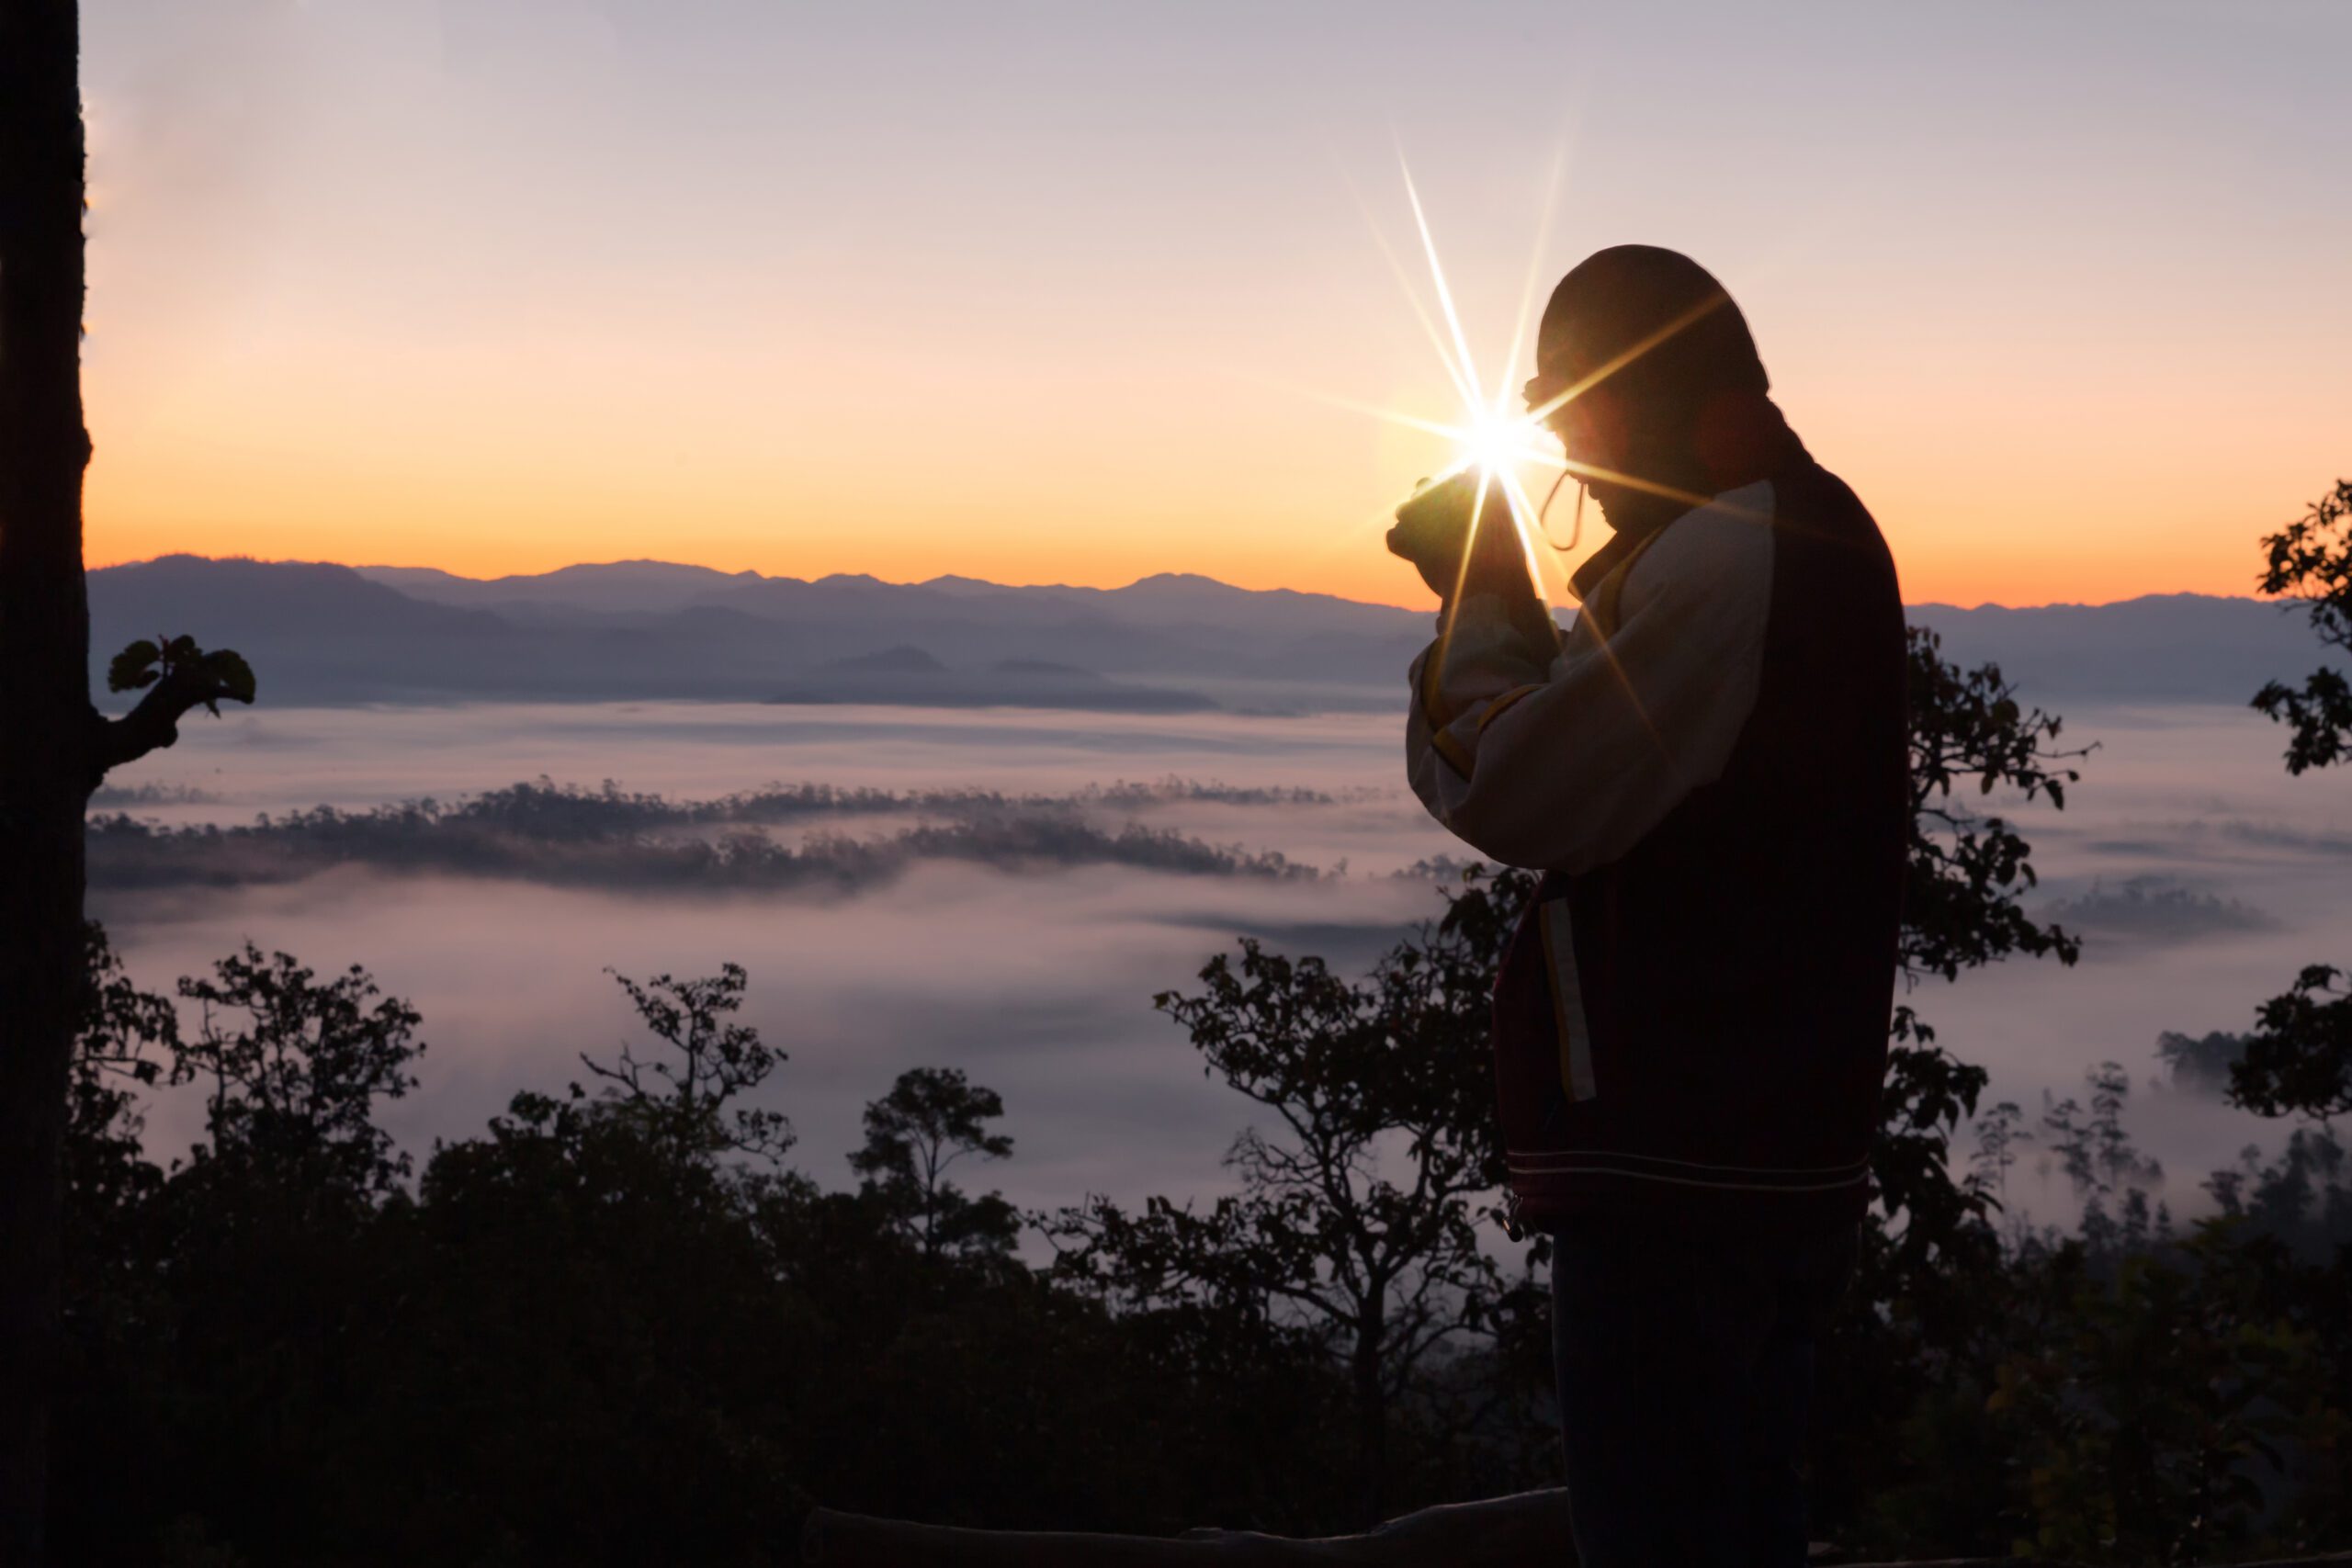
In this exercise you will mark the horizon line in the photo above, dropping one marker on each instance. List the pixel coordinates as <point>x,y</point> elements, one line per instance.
<point>753,573</point>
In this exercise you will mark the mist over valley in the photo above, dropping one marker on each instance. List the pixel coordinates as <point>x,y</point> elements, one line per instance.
<point>1004,890</point>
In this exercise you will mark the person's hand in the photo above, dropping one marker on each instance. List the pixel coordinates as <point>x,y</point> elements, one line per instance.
<point>1432,526</point>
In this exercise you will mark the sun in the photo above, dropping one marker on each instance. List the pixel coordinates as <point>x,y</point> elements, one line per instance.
<point>1494,443</point>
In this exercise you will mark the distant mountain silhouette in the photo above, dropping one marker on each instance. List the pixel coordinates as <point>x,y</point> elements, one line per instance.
<point>639,586</point>
<point>321,633</point>
<point>2179,646</point>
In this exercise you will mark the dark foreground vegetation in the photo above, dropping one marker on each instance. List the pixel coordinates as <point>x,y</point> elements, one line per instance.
<point>615,1327</point>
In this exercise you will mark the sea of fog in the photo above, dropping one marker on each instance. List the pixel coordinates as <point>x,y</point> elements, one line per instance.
<point>2200,875</point>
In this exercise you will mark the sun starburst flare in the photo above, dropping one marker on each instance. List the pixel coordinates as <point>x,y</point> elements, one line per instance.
<point>1487,435</point>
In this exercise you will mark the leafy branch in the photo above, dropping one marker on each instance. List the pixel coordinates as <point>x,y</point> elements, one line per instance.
<point>177,675</point>
<point>1968,871</point>
<point>2298,1058</point>
<point>2311,560</point>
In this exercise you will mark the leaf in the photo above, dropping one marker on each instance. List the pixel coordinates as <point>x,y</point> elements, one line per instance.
<point>229,671</point>
<point>133,667</point>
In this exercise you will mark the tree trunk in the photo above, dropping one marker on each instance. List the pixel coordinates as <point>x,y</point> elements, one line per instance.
<point>47,725</point>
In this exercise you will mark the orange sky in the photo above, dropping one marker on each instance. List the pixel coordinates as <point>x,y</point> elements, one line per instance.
<point>1051,300</point>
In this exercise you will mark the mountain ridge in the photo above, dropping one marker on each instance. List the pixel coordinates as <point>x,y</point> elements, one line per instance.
<point>324,632</point>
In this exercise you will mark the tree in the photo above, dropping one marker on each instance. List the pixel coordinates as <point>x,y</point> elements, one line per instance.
<point>2094,1148</point>
<point>1355,1231</point>
<point>1930,1256</point>
<point>250,1277</point>
<point>2095,1151</point>
<point>59,746</point>
<point>2152,1426</point>
<point>2201,1062</point>
<point>2298,1059</point>
<point>124,1046</point>
<point>111,1338</point>
<point>293,1070</point>
<point>1963,908</point>
<point>1997,1140</point>
<point>115,1056</point>
<point>683,1096</point>
<point>2311,560</point>
<point>932,1118</point>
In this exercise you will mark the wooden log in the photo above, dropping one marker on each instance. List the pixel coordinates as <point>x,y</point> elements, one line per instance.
<point>1528,1529</point>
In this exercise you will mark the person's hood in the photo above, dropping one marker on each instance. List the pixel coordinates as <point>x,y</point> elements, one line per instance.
<point>1674,350</point>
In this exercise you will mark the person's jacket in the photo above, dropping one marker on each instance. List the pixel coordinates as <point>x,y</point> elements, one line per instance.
<point>1711,768</point>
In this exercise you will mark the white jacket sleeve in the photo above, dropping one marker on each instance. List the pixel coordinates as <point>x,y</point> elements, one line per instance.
<point>1565,767</point>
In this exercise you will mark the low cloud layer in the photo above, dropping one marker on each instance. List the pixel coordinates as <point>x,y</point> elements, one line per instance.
<point>2156,910</point>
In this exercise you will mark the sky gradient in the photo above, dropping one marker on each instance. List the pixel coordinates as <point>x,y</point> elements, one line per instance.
<point>1045,292</point>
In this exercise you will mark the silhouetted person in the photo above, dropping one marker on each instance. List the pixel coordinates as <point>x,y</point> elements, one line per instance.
<point>1691,1023</point>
